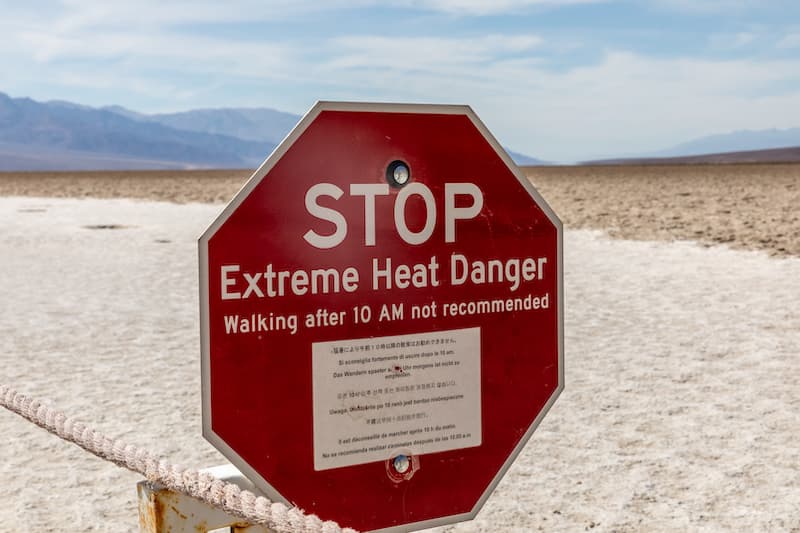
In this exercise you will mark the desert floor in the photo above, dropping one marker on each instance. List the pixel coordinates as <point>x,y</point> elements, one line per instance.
<point>745,206</point>
<point>751,207</point>
<point>681,410</point>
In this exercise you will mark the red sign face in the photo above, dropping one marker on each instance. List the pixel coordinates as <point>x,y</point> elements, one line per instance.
<point>381,316</point>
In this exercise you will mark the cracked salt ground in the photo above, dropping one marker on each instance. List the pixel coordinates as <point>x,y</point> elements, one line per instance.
<point>681,408</point>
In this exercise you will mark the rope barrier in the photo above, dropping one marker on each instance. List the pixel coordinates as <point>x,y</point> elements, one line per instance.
<point>201,485</point>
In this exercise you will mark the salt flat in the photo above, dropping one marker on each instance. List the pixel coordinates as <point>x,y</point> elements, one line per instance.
<point>681,409</point>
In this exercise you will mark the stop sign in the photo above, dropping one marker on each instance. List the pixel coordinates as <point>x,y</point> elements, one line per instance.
<point>381,316</point>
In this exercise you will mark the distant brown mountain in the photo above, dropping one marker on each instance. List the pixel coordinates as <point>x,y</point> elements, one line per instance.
<point>52,135</point>
<point>60,135</point>
<point>773,155</point>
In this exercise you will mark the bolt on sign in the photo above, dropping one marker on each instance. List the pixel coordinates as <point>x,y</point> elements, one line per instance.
<point>381,316</point>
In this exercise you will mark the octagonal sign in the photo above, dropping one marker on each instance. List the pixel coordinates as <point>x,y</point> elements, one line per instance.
<point>381,316</point>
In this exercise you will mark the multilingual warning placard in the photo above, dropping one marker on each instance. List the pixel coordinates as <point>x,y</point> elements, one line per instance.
<point>413,394</point>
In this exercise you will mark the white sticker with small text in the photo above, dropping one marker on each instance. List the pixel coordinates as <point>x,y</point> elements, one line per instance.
<point>377,397</point>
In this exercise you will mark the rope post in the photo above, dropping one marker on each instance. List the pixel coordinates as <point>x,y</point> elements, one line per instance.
<point>162,510</point>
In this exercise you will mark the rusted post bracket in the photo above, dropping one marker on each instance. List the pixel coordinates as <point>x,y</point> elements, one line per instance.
<point>162,510</point>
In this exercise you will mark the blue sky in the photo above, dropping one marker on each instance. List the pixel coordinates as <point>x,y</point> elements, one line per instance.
<point>561,80</point>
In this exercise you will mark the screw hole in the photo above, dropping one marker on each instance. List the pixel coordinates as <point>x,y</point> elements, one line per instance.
<point>398,174</point>
<point>401,464</point>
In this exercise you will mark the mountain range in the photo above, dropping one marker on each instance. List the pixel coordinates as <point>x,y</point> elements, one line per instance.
<point>59,135</point>
<point>744,146</point>
<point>737,141</point>
<point>770,155</point>
<point>64,136</point>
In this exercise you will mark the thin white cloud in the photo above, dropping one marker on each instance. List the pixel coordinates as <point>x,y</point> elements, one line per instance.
<point>708,6</point>
<point>75,14</point>
<point>91,49</point>
<point>488,7</point>
<point>431,54</point>
<point>155,49</point>
<point>791,40</point>
<point>731,41</point>
<point>156,13</point>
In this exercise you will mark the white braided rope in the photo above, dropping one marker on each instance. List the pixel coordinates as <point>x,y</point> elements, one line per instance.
<point>201,485</point>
